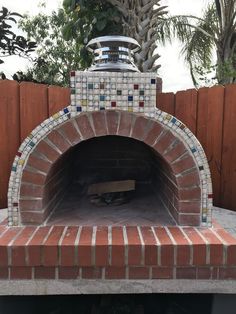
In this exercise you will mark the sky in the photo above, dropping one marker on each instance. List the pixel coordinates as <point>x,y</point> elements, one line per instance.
<point>174,72</point>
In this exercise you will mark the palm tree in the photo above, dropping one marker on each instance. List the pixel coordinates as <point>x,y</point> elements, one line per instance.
<point>143,20</point>
<point>148,22</point>
<point>140,19</point>
<point>214,32</point>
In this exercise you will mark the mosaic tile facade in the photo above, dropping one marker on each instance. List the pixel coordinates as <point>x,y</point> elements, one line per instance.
<point>133,92</point>
<point>93,91</point>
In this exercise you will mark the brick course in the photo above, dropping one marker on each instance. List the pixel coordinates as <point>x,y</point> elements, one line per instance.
<point>92,253</point>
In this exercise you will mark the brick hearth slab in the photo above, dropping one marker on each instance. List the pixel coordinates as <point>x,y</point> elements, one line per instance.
<point>84,252</point>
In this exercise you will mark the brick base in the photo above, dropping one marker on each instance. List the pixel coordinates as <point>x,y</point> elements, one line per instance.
<point>139,273</point>
<point>72,252</point>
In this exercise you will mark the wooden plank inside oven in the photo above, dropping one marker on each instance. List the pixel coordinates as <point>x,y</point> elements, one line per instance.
<point>111,187</point>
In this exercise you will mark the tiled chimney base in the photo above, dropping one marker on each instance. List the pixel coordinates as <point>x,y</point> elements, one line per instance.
<point>112,253</point>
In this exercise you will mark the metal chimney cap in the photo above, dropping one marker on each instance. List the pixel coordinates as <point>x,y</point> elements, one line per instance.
<point>102,41</point>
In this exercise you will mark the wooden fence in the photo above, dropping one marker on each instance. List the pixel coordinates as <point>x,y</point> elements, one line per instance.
<point>210,113</point>
<point>22,107</point>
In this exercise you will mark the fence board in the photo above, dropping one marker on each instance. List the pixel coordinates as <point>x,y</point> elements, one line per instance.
<point>166,102</point>
<point>186,108</point>
<point>33,106</point>
<point>9,133</point>
<point>58,98</point>
<point>209,131</point>
<point>228,178</point>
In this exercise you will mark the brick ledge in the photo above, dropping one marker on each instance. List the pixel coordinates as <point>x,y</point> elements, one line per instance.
<point>71,252</point>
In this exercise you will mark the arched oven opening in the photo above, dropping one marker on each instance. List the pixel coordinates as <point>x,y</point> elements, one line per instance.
<point>111,180</point>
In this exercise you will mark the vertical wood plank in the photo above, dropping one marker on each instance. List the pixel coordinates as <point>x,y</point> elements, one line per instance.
<point>58,98</point>
<point>209,131</point>
<point>9,133</point>
<point>228,178</point>
<point>186,108</point>
<point>33,107</point>
<point>166,102</point>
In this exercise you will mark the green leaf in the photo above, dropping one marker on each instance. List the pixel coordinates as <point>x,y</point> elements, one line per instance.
<point>101,24</point>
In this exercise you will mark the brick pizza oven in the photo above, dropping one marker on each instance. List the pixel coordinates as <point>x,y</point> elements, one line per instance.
<point>112,131</point>
<point>161,228</point>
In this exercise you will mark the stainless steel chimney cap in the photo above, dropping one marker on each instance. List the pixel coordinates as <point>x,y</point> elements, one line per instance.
<point>103,41</point>
<point>113,53</point>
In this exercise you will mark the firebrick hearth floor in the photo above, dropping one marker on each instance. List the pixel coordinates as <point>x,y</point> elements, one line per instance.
<point>143,209</point>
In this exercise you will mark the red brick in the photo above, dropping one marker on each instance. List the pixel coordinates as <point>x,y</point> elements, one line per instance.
<point>230,245</point>
<point>216,247</point>
<point>134,246</point>
<point>51,247</point>
<point>91,273</point>
<point>185,163</point>
<point>5,239</point>
<point>182,247</point>
<point>99,123</point>
<point>48,151</point>
<point>85,126</point>
<point>186,273</point>
<point>31,205</point>
<point>214,272</point>
<point>139,272</point>
<point>21,273</point>
<point>85,247</point>
<point>193,207</point>
<point>115,272</point>
<point>177,151</point>
<point>44,272</point>
<point>188,180</point>
<point>162,273</point>
<point>140,128</point>
<point>167,247</point>
<point>112,121</point>
<point>18,247</point>
<point>164,142</point>
<point>4,272</point>
<point>203,273</point>
<point>32,217</point>
<point>101,247</point>
<point>59,141</point>
<point>126,120</point>
<point>118,248</point>
<point>189,194</point>
<point>173,212</point>
<point>67,247</point>
<point>34,247</point>
<point>33,177</point>
<point>68,272</point>
<point>69,131</point>
<point>3,227</point>
<point>189,220</point>
<point>150,256</point>
<point>38,163</point>
<point>153,133</point>
<point>31,190</point>
<point>227,273</point>
<point>199,246</point>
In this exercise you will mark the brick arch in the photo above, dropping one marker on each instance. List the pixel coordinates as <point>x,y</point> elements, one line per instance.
<point>177,147</point>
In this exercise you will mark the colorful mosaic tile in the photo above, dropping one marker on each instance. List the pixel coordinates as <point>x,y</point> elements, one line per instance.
<point>101,89</point>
